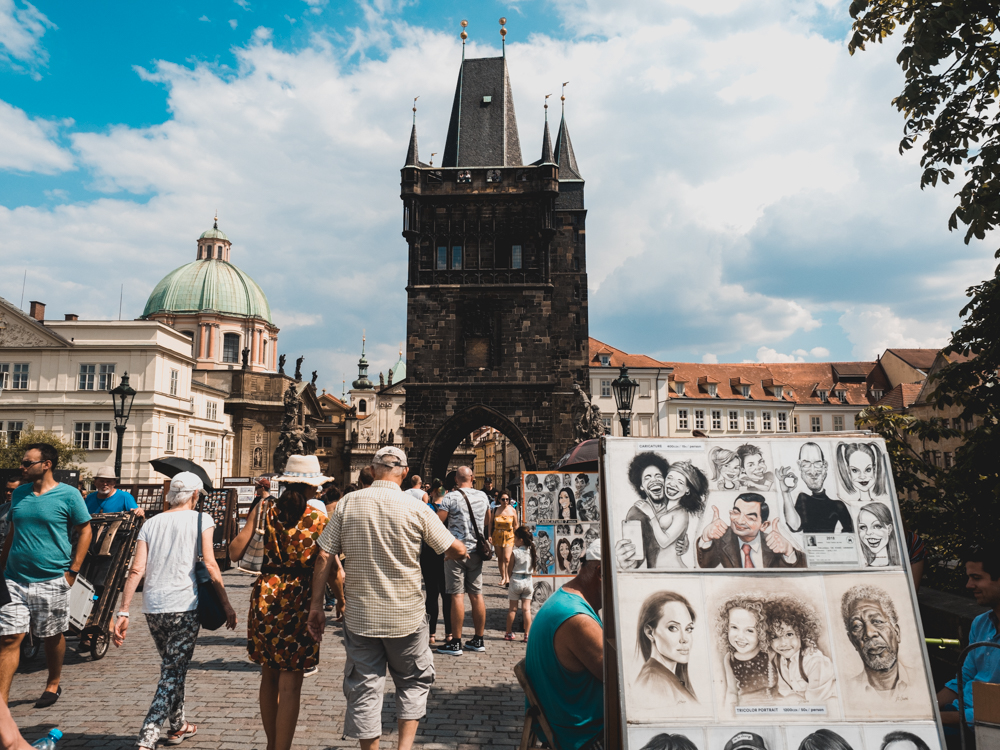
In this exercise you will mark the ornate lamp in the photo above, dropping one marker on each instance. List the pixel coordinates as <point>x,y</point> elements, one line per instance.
<point>122,398</point>
<point>624,389</point>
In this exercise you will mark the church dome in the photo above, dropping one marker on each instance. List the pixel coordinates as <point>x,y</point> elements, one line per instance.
<point>214,234</point>
<point>399,369</point>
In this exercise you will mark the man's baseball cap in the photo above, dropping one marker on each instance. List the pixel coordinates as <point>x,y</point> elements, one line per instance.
<point>264,482</point>
<point>390,456</point>
<point>746,741</point>
<point>186,482</point>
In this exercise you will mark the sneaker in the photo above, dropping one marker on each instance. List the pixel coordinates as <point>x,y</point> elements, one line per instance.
<point>450,648</point>
<point>310,672</point>
<point>475,643</point>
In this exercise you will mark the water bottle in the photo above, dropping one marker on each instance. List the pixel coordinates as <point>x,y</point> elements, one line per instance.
<point>48,742</point>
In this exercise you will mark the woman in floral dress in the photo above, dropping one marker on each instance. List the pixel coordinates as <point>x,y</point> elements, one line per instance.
<point>279,603</point>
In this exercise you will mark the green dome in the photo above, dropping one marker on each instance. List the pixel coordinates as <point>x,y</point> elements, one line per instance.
<point>214,234</point>
<point>399,370</point>
<point>209,285</point>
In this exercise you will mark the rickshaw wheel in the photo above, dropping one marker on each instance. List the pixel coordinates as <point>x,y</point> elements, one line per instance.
<point>99,649</point>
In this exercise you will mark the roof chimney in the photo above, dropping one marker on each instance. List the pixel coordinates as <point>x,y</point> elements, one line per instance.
<point>71,316</point>
<point>38,311</point>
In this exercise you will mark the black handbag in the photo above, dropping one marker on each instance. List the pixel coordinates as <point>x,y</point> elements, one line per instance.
<point>484,547</point>
<point>211,615</point>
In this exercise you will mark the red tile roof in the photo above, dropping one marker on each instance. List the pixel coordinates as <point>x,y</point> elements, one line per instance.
<point>618,357</point>
<point>902,396</point>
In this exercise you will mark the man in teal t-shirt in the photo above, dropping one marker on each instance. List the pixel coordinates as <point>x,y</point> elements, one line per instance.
<point>565,659</point>
<point>41,566</point>
<point>108,498</point>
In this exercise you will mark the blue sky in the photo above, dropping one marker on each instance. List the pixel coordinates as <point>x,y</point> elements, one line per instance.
<point>746,201</point>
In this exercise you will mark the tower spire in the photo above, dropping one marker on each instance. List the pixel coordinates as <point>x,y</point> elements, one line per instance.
<point>546,139</point>
<point>412,155</point>
<point>564,156</point>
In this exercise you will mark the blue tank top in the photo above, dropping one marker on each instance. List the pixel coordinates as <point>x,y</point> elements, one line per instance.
<point>573,701</point>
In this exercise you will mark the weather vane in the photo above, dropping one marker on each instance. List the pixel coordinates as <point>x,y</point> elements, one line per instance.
<point>415,108</point>
<point>433,154</point>
<point>547,107</point>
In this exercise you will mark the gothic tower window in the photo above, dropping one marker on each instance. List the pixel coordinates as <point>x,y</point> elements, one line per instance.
<point>515,256</point>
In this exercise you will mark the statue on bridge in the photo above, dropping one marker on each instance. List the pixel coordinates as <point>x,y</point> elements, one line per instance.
<point>587,420</point>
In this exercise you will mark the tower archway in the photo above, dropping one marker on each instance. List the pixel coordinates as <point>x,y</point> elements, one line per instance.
<point>451,434</point>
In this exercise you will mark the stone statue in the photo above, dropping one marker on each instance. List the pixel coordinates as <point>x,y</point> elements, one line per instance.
<point>246,358</point>
<point>294,439</point>
<point>354,435</point>
<point>381,380</point>
<point>390,376</point>
<point>392,437</point>
<point>587,420</point>
<point>313,381</point>
<point>281,364</point>
<point>381,438</point>
<point>298,368</point>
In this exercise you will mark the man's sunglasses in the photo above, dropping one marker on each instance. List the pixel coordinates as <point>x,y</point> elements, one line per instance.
<point>29,464</point>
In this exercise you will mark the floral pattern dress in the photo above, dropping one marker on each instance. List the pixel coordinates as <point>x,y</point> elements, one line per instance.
<point>279,602</point>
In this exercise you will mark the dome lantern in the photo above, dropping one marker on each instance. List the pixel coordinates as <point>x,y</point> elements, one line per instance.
<point>214,244</point>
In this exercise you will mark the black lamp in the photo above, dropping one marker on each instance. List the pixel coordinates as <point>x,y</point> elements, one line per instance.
<point>624,389</point>
<point>122,398</point>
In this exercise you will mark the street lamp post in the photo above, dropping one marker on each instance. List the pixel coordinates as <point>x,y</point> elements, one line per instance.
<point>122,397</point>
<point>624,389</point>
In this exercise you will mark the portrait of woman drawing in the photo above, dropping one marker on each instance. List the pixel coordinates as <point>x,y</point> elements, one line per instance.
<point>863,471</point>
<point>567,504</point>
<point>669,495</point>
<point>804,673</point>
<point>664,638</point>
<point>726,468</point>
<point>877,536</point>
<point>562,555</point>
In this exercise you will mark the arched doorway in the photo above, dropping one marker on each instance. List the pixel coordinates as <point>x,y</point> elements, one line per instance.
<point>451,434</point>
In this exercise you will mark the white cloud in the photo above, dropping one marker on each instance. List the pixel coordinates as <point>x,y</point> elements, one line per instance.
<point>819,352</point>
<point>709,359</point>
<point>287,321</point>
<point>205,18</point>
<point>233,23</point>
<point>245,4</point>
<point>874,328</point>
<point>767,354</point>
<point>21,30</point>
<point>27,144</point>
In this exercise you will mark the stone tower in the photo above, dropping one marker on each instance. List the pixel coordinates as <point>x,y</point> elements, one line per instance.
<point>497,289</point>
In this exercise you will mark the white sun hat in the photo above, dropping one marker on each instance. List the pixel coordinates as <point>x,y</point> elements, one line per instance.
<point>303,470</point>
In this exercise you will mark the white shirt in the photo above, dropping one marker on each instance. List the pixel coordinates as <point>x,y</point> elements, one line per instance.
<point>171,539</point>
<point>522,560</point>
<point>417,492</point>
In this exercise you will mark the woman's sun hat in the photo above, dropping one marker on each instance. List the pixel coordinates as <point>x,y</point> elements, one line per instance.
<point>303,470</point>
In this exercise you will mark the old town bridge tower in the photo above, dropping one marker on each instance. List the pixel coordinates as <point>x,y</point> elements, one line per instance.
<point>497,288</point>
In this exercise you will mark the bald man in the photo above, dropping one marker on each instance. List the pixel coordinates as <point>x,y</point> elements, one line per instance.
<point>815,512</point>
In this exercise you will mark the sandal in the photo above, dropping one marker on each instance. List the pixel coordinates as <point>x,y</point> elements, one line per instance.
<point>508,636</point>
<point>433,640</point>
<point>176,738</point>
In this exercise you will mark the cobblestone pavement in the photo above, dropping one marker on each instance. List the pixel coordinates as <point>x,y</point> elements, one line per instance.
<point>475,701</point>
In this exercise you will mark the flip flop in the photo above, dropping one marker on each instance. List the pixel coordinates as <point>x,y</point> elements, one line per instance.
<point>48,698</point>
<point>176,738</point>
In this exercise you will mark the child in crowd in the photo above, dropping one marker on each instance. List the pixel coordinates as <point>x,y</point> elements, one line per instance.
<point>519,589</point>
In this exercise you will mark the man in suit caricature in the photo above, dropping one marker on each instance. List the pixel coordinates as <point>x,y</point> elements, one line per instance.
<point>748,541</point>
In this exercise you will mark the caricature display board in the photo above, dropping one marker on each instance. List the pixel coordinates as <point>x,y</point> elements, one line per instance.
<point>563,510</point>
<point>757,595</point>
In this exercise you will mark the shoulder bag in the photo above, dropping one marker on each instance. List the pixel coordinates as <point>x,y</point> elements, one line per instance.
<point>253,556</point>
<point>211,615</point>
<point>484,547</point>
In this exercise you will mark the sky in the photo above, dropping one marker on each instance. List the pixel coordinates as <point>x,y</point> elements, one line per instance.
<point>746,198</point>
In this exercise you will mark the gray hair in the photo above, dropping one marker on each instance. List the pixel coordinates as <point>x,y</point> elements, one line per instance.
<point>179,498</point>
<point>872,593</point>
<point>381,471</point>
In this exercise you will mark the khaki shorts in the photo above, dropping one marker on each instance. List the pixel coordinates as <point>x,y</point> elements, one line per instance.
<point>464,576</point>
<point>411,665</point>
<point>43,606</point>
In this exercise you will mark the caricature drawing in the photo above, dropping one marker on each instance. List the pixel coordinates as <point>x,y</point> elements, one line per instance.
<point>543,545</point>
<point>863,470</point>
<point>566,506</point>
<point>751,541</point>
<point>665,637</point>
<point>725,468</point>
<point>755,474</point>
<point>815,512</point>
<point>669,494</point>
<point>877,535</point>
<point>576,554</point>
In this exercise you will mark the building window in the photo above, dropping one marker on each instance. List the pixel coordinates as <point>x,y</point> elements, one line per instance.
<point>824,396</point>
<point>442,258</point>
<point>877,394</point>
<point>679,387</point>
<point>948,462</point>
<point>456,258</point>
<point>190,450</point>
<point>782,421</point>
<point>212,410</point>
<point>19,379</point>
<point>362,406</point>
<point>841,396</point>
<point>716,419</point>
<point>105,377</point>
<point>745,390</point>
<point>643,389</point>
<point>87,373</point>
<point>607,423</point>
<point>102,436</point>
<point>605,389</point>
<point>14,430</point>
<point>713,389</point>
<point>699,419</point>
<point>682,419</point>
<point>765,421</point>
<point>795,423</point>
<point>645,427</point>
<point>751,419</point>
<point>515,256</point>
<point>326,441</point>
<point>815,424</point>
<point>231,347</point>
<point>838,422</point>
<point>171,434</point>
<point>81,435</point>
<point>175,377</point>
<point>605,360</point>
<point>734,420</point>
<point>209,450</point>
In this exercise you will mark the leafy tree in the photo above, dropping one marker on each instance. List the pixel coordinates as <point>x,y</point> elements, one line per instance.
<point>11,454</point>
<point>951,61</point>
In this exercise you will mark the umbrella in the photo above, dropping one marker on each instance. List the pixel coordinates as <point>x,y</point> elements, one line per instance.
<point>173,465</point>
<point>581,457</point>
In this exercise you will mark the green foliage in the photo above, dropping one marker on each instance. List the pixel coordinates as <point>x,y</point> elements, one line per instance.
<point>951,61</point>
<point>11,454</point>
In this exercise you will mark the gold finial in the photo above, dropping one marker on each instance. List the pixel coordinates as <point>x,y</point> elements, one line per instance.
<point>464,35</point>
<point>563,97</point>
<point>216,224</point>
<point>433,154</point>
<point>415,103</point>
<point>503,36</point>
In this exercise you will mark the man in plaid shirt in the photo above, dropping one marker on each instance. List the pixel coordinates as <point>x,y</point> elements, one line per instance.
<point>379,530</point>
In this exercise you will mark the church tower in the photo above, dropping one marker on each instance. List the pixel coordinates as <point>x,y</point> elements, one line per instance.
<point>497,287</point>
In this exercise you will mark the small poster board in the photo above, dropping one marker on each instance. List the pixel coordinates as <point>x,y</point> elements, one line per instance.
<point>757,592</point>
<point>563,509</point>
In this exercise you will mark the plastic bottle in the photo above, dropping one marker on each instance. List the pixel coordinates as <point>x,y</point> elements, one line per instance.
<point>48,742</point>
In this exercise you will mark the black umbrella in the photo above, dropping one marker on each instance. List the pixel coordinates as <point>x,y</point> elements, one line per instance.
<point>173,465</point>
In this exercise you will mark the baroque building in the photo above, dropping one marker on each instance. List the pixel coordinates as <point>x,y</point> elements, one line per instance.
<point>497,281</point>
